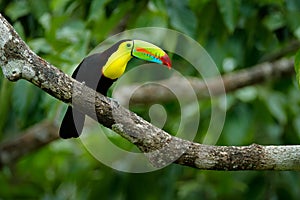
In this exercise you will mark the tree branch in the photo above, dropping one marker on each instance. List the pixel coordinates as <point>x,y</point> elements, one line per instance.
<point>19,62</point>
<point>291,48</point>
<point>31,140</point>
<point>205,89</point>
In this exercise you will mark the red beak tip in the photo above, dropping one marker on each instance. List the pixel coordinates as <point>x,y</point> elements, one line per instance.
<point>166,61</point>
<point>169,65</point>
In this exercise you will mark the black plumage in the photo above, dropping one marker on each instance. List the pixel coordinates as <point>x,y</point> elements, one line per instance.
<point>90,72</point>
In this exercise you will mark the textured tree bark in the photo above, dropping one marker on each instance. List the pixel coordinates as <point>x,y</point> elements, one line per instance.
<point>19,62</point>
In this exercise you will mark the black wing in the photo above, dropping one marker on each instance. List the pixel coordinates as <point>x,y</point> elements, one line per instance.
<point>90,72</point>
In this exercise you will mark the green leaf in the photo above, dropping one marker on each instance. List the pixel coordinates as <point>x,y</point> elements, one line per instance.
<point>237,130</point>
<point>40,45</point>
<point>17,9</point>
<point>26,102</point>
<point>296,124</point>
<point>58,6</point>
<point>276,104</point>
<point>274,21</point>
<point>292,21</point>
<point>181,17</point>
<point>20,29</point>
<point>96,10</point>
<point>151,19</point>
<point>230,12</point>
<point>5,99</point>
<point>293,5</point>
<point>297,66</point>
<point>38,8</point>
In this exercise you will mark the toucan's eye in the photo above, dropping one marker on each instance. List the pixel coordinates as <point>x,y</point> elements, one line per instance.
<point>128,45</point>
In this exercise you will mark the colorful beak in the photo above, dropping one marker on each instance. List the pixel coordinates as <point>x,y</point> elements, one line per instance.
<point>149,52</point>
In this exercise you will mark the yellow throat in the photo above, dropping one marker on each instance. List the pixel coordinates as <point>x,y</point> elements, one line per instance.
<point>116,63</point>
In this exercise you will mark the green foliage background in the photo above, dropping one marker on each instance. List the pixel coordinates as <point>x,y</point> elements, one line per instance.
<point>237,34</point>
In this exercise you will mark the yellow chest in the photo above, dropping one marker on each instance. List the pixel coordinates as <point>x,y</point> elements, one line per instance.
<point>116,65</point>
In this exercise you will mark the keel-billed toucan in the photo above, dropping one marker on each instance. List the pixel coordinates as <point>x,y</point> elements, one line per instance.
<point>100,70</point>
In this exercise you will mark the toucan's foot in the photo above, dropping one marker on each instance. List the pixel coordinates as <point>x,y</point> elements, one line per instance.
<point>115,101</point>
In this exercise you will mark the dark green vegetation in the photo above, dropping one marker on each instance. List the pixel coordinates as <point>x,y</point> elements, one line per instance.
<point>237,34</point>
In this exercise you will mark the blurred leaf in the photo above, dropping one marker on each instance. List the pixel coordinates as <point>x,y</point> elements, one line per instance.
<point>246,94</point>
<point>59,6</point>
<point>20,30</point>
<point>205,19</point>
<point>97,9</point>
<point>45,21</point>
<point>151,19</point>
<point>181,17</point>
<point>40,45</point>
<point>236,130</point>
<point>198,5</point>
<point>38,8</point>
<point>25,103</point>
<point>159,5</point>
<point>230,12</point>
<point>214,48</point>
<point>293,5</point>
<point>265,40</point>
<point>103,26</point>
<point>292,21</point>
<point>296,124</point>
<point>276,103</point>
<point>70,32</point>
<point>271,133</point>
<point>297,66</point>
<point>274,21</point>
<point>6,101</point>
<point>17,9</point>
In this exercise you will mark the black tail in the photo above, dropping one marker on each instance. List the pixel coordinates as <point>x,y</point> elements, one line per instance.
<point>72,124</point>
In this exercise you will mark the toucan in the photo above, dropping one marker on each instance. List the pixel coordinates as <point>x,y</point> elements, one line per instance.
<point>99,71</point>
